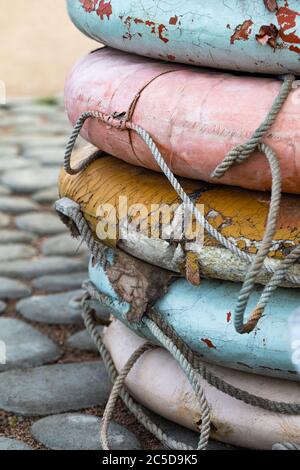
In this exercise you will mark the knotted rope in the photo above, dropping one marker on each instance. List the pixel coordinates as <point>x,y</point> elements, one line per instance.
<point>237,155</point>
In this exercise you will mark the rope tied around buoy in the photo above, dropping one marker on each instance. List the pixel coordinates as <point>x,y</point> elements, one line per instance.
<point>237,156</point>
<point>84,232</point>
<point>165,336</point>
<point>189,362</point>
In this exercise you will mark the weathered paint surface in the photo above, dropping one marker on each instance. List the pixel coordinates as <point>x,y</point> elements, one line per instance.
<point>239,215</point>
<point>158,383</point>
<point>195,116</point>
<point>200,317</point>
<point>236,34</point>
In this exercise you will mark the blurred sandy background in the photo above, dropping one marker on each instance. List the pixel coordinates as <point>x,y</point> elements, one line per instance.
<point>38,45</point>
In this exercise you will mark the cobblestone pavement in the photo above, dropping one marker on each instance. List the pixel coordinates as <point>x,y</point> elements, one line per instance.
<point>53,387</point>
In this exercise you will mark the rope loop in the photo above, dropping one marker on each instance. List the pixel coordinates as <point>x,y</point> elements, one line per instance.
<point>240,153</point>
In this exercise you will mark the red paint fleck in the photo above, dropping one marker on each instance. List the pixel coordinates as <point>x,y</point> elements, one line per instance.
<point>171,57</point>
<point>161,30</point>
<point>149,23</point>
<point>208,343</point>
<point>242,32</point>
<point>104,8</point>
<point>89,5</point>
<point>287,21</point>
<point>138,21</point>
<point>173,20</point>
<point>295,49</point>
<point>268,34</point>
<point>228,317</point>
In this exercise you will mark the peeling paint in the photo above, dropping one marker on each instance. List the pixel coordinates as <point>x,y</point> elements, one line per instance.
<point>137,283</point>
<point>104,8</point>
<point>238,214</point>
<point>161,30</point>
<point>287,20</point>
<point>295,49</point>
<point>192,35</point>
<point>89,5</point>
<point>268,35</point>
<point>158,30</point>
<point>242,32</point>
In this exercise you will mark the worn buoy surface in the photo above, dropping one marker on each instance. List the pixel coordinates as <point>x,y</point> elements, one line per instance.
<point>202,316</point>
<point>195,117</point>
<point>238,214</point>
<point>159,383</point>
<point>236,34</point>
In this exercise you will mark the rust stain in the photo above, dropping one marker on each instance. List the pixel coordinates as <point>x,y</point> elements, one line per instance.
<point>228,317</point>
<point>271,5</point>
<point>219,429</point>
<point>138,21</point>
<point>171,57</point>
<point>208,343</point>
<point>242,32</point>
<point>268,34</point>
<point>287,20</point>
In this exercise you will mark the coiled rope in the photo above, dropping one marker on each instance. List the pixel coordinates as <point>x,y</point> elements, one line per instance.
<point>237,155</point>
<point>83,230</point>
